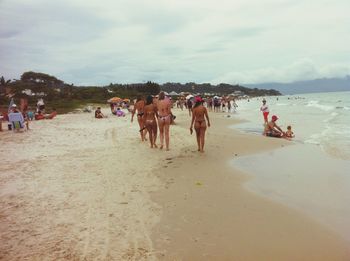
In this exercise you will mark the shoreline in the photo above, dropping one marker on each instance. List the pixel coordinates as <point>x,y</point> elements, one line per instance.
<point>208,214</point>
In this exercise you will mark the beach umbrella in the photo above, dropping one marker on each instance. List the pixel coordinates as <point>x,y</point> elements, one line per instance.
<point>114,100</point>
<point>189,96</point>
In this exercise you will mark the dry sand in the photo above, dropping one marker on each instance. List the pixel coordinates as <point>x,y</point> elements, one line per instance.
<point>79,188</point>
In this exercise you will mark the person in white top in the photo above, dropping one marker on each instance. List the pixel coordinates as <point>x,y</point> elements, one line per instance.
<point>265,110</point>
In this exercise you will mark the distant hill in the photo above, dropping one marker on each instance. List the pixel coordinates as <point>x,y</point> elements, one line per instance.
<point>317,85</point>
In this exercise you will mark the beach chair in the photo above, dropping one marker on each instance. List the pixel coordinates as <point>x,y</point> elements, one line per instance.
<point>17,120</point>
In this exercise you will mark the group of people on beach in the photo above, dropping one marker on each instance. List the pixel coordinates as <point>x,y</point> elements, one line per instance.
<point>216,104</point>
<point>18,117</point>
<point>271,129</point>
<point>155,113</point>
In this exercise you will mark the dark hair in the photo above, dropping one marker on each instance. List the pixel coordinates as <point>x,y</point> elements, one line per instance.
<point>139,98</point>
<point>149,100</point>
<point>197,104</point>
<point>289,127</point>
<point>161,96</point>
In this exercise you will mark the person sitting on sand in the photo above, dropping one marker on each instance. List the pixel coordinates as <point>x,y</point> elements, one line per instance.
<point>39,116</point>
<point>52,115</point>
<point>289,133</point>
<point>98,113</point>
<point>119,113</point>
<point>149,118</point>
<point>272,129</point>
<point>199,113</point>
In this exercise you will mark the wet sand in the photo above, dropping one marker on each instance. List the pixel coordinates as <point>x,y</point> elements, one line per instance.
<point>207,215</point>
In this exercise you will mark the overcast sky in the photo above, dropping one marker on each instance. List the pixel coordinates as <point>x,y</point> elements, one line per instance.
<point>120,41</point>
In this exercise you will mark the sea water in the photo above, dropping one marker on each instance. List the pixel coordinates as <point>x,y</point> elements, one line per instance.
<point>312,175</point>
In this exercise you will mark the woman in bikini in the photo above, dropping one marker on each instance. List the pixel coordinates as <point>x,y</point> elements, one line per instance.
<point>149,118</point>
<point>199,113</point>
<point>139,107</point>
<point>164,119</point>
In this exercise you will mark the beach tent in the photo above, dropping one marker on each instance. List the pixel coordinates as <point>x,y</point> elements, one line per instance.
<point>114,100</point>
<point>189,96</point>
<point>173,93</point>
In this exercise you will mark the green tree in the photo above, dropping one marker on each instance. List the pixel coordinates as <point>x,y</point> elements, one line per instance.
<point>41,78</point>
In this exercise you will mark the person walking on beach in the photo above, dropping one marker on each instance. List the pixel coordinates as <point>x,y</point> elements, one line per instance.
<point>272,129</point>
<point>265,110</point>
<point>164,119</point>
<point>199,114</point>
<point>189,106</point>
<point>139,107</point>
<point>149,118</point>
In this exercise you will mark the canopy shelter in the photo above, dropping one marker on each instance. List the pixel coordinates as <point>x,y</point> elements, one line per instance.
<point>190,96</point>
<point>173,93</point>
<point>115,100</point>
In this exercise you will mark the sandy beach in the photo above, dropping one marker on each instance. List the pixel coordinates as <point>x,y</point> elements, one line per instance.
<point>79,188</point>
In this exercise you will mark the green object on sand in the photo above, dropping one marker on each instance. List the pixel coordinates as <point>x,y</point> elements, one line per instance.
<point>199,184</point>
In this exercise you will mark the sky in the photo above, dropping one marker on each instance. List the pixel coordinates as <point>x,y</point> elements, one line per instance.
<point>87,42</point>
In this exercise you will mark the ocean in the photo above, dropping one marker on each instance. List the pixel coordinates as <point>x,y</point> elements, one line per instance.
<point>313,174</point>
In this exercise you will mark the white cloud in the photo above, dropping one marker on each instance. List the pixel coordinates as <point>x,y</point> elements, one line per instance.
<point>304,69</point>
<point>98,42</point>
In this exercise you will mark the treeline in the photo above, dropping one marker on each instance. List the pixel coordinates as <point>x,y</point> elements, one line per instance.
<point>34,85</point>
<point>220,89</point>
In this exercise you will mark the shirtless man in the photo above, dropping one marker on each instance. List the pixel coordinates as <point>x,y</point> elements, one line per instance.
<point>199,113</point>
<point>149,118</point>
<point>139,107</point>
<point>164,119</point>
<point>272,130</point>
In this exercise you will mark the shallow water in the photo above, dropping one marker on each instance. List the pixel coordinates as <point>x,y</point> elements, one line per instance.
<point>312,175</point>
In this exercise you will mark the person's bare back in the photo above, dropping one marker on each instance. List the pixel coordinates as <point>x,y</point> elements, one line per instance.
<point>163,108</point>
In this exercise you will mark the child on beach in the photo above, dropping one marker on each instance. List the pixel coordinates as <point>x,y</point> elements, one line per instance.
<point>289,132</point>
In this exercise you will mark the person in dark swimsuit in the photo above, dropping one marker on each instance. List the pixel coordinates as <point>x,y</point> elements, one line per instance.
<point>189,106</point>
<point>139,106</point>
<point>149,118</point>
<point>199,114</point>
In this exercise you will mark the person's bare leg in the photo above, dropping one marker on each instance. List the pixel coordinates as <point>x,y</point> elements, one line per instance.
<point>161,133</point>
<point>140,121</point>
<point>144,134</point>
<point>197,129</point>
<point>166,130</point>
<point>202,137</point>
<point>154,129</point>
<point>149,128</point>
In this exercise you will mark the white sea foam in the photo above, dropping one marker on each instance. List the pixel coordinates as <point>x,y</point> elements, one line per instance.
<point>320,106</point>
<point>319,118</point>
